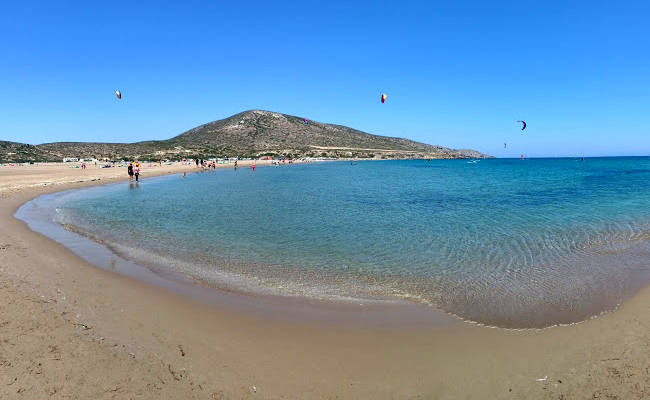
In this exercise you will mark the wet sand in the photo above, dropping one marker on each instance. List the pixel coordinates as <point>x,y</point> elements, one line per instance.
<point>71,330</point>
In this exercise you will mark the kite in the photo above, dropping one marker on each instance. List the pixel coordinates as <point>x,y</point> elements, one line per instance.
<point>118,94</point>
<point>383,98</point>
<point>524,125</point>
<point>505,145</point>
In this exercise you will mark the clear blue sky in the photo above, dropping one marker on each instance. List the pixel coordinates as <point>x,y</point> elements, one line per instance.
<point>457,73</point>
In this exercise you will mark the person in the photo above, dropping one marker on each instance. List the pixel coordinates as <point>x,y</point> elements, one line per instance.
<point>136,172</point>
<point>197,162</point>
<point>253,167</point>
<point>130,171</point>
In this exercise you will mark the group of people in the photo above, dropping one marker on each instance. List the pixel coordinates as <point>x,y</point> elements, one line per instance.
<point>205,164</point>
<point>134,170</point>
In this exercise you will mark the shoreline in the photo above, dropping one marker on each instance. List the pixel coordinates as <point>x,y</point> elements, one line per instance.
<point>236,293</point>
<point>274,292</point>
<point>136,330</point>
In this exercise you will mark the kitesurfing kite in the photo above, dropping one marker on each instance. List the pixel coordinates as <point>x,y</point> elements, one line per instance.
<point>118,94</point>
<point>524,125</point>
<point>383,98</point>
<point>505,145</point>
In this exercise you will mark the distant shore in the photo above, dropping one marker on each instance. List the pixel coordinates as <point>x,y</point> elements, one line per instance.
<point>72,329</point>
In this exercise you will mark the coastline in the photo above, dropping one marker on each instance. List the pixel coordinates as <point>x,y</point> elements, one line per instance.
<point>233,292</point>
<point>131,346</point>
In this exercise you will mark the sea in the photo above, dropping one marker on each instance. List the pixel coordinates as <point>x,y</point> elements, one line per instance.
<point>501,242</point>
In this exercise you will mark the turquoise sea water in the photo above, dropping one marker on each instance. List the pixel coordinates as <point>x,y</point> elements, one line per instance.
<point>504,242</point>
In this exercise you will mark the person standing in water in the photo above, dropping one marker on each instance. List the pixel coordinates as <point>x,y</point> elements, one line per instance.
<point>130,171</point>
<point>253,167</point>
<point>136,172</point>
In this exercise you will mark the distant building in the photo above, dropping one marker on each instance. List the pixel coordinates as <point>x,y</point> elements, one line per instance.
<point>70,159</point>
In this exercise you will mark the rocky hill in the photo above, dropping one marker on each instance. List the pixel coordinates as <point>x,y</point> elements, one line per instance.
<point>20,152</point>
<point>247,134</point>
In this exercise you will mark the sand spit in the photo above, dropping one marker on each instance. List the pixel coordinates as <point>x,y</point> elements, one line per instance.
<point>71,330</point>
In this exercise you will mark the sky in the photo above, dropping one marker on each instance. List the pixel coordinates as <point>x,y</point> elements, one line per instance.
<point>456,73</point>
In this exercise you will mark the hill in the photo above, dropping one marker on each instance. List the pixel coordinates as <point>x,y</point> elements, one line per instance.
<point>20,152</point>
<point>248,134</point>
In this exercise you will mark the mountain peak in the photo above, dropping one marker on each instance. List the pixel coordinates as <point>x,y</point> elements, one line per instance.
<point>253,133</point>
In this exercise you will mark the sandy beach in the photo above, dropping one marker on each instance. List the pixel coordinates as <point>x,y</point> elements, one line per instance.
<point>69,329</point>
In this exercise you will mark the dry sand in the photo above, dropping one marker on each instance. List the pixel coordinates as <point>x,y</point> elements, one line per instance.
<point>71,330</point>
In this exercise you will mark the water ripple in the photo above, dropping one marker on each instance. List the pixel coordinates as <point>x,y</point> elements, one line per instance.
<point>501,242</point>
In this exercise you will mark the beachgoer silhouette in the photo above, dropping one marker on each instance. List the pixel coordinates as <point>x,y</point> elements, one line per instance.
<point>130,171</point>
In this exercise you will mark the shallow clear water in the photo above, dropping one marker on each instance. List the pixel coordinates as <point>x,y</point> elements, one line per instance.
<point>503,242</point>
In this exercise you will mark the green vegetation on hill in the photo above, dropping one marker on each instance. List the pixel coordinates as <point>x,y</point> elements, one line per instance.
<point>247,134</point>
<point>20,152</point>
